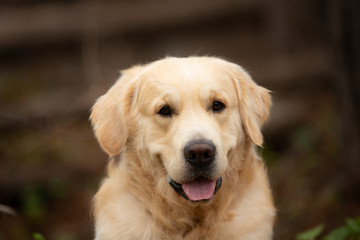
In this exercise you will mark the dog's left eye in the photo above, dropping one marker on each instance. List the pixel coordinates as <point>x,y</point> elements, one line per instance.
<point>165,111</point>
<point>218,106</point>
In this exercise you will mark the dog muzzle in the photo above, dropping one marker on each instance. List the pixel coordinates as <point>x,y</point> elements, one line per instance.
<point>200,189</point>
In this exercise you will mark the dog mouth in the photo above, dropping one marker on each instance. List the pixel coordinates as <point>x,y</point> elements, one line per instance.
<point>199,189</point>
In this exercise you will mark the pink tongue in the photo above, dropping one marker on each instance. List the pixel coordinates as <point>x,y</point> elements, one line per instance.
<point>199,190</point>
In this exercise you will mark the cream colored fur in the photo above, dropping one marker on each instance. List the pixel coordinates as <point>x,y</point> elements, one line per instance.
<point>135,200</point>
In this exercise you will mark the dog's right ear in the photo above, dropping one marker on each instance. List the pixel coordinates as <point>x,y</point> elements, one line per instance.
<point>110,112</point>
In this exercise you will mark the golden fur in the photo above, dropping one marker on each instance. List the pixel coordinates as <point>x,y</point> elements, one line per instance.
<point>136,201</point>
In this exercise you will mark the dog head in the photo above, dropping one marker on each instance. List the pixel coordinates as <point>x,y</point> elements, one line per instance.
<point>184,115</point>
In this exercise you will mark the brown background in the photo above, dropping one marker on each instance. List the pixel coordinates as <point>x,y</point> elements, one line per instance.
<point>57,57</point>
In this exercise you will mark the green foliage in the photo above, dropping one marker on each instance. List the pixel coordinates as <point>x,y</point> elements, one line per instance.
<point>33,203</point>
<point>36,198</point>
<point>310,234</point>
<point>304,139</point>
<point>38,236</point>
<point>65,236</point>
<point>349,231</point>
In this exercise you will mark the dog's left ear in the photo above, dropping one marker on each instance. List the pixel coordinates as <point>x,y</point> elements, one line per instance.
<point>254,104</point>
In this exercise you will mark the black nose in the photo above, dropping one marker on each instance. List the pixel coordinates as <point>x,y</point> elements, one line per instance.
<point>200,153</point>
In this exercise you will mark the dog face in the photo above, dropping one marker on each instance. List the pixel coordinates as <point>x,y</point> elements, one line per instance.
<point>185,115</point>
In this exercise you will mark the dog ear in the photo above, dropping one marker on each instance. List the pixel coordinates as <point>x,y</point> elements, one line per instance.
<point>254,105</point>
<point>110,112</point>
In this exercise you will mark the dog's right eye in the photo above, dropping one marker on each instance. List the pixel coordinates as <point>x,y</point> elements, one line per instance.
<point>165,111</point>
<point>218,106</point>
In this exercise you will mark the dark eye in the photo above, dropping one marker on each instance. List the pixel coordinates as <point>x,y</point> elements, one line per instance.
<point>218,106</point>
<point>165,111</point>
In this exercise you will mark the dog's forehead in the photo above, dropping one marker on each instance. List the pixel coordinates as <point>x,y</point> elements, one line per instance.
<point>189,73</point>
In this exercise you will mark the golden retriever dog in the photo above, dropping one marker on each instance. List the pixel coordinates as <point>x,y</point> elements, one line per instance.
<point>181,134</point>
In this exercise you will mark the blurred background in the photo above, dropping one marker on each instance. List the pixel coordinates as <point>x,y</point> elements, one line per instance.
<point>58,56</point>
